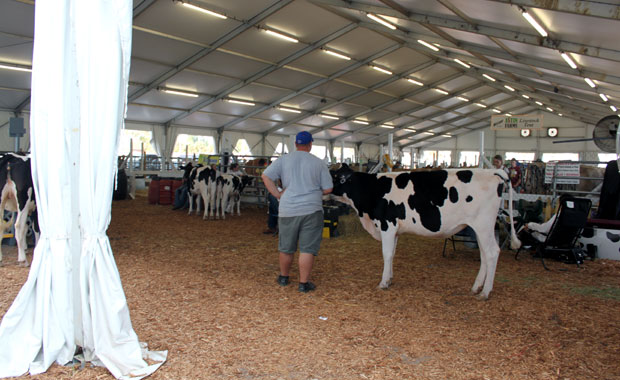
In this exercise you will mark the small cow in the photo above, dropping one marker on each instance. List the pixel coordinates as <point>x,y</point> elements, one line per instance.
<point>435,203</point>
<point>16,195</point>
<point>202,181</point>
<point>229,188</point>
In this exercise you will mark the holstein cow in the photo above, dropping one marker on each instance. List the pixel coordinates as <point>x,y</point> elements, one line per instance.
<point>17,195</point>
<point>229,188</point>
<point>202,181</point>
<point>435,203</point>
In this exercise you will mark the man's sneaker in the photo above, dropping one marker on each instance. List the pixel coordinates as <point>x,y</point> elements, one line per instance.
<point>306,287</point>
<point>283,280</point>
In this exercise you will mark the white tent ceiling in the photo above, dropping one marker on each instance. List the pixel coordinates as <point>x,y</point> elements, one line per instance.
<point>215,59</point>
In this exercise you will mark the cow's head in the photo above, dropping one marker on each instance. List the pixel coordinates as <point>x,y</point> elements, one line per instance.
<point>246,180</point>
<point>342,179</point>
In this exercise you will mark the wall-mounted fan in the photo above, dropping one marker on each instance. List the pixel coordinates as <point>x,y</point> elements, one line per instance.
<point>605,134</point>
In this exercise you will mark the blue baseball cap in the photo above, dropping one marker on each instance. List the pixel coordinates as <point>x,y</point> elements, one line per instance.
<point>303,138</point>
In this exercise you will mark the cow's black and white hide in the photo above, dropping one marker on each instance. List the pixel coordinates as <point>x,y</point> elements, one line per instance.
<point>229,188</point>
<point>16,195</point>
<point>436,203</point>
<point>201,181</point>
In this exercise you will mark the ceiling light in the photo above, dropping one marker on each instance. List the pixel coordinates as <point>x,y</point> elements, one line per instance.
<point>481,105</point>
<point>439,90</point>
<point>604,97</point>
<point>178,92</point>
<point>281,36</point>
<point>525,96</point>
<point>415,82</point>
<point>589,82</point>
<point>461,63</point>
<point>568,60</point>
<point>489,77</point>
<point>539,103</point>
<point>433,48</point>
<point>508,114</point>
<point>533,22</point>
<point>428,133</point>
<point>381,70</point>
<point>360,122</point>
<point>380,20</point>
<point>243,102</point>
<point>496,110</point>
<point>447,135</point>
<point>560,114</point>
<point>329,117</point>
<point>386,126</point>
<point>341,56</point>
<point>462,98</point>
<point>291,110</point>
<point>16,68</point>
<point>549,109</point>
<point>199,9</point>
<point>508,87</point>
<point>411,129</point>
<point>613,108</point>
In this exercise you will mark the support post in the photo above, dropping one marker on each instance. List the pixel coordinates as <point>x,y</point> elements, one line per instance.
<point>342,151</point>
<point>390,149</point>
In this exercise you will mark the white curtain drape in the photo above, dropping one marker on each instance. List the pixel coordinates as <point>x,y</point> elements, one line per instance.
<point>171,139</point>
<point>73,295</point>
<point>158,139</point>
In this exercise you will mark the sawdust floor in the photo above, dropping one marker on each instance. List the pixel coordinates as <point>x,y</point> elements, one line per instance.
<point>206,291</point>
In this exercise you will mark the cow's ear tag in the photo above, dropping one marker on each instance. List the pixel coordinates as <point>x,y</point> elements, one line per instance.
<point>342,180</point>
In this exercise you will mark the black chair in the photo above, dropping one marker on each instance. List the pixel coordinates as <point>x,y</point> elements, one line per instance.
<point>466,236</point>
<point>560,242</point>
<point>528,212</point>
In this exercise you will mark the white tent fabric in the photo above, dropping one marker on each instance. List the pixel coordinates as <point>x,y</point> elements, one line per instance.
<point>79,83</point>
<point>158,139</point>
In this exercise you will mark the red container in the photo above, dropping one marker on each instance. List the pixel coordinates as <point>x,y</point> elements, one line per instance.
<point>154,191</point>
<point>165,192</point>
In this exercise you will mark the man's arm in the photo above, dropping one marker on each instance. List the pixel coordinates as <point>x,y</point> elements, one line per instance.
<point>271,186</point>
<point>327,191</point>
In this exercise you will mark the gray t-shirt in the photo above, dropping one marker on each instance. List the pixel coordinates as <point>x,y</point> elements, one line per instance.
<point>304,177</point>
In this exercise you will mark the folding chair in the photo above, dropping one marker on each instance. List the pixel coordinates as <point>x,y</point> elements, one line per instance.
<point>560,242</point>
<point>466,235</point>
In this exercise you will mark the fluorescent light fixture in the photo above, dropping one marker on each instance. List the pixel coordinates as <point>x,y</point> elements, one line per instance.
<point>386,126</point>
<point>568,60</point>
<point>447,135</point>
<point>341,56</point>
<point>560,114</point>
<point>291,110</point>
<point>178,92</point>
<point>480,105</point>
<point>549,109</point>
<point>462,98</point>
<point>411,129</point>
<point>324,116</point>
<point>496,110</point>
<point>243,102</point>
<point>539,103</point>
<point>381,21</point>
<point>199,9</point>
<point>428,133</point>
<point>461,63</point>
<point>536,25</point>
<point>16,68</point>
<point>432,47</point>
<point>415,82</point>
<point>589,82</point>
<point>604,97</point>
<point>360,122</point>
<point>388,72</point>
<point>508,87</point>
<point>439,90</point>
<point>525,96</point>
<point>613,108</point>
<point>281,36</point>
<point>508,114</point>
<point>489,77</point>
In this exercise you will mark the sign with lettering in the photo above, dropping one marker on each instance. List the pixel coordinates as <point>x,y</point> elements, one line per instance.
<point>564,173</point>
<point>515,122</point>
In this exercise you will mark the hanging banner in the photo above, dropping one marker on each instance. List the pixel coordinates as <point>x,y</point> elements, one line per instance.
<point>564,173</point>
<point>499,122</point>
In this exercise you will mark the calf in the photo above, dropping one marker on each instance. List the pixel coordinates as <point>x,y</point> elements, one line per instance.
<point>16,195</point>
<point>202,181</point>
<point>229,188</point>
<point>436,203</point>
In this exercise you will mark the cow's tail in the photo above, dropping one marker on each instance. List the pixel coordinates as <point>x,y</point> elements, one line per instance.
<point>515,243</point>
<point>6,224</point>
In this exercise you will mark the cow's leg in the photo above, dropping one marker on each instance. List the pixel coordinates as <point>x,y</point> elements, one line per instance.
<point>212,199</point>
<point>388,246</point>
<point>489,254</point>
<point>238,202</point>
<point>191,202</point>
<point>224,204</point>
<point>21,229</point>
<point>204,195</point>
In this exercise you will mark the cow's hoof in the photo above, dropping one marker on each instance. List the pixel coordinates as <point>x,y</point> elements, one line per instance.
<point>475,291</point>
<point>24,264</point>
<point>482,297</point>
<point>384,286</point>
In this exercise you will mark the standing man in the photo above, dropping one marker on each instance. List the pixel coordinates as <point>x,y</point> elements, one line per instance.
<point>305,179</point>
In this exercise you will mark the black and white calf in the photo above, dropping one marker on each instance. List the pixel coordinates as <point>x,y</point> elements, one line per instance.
<point>202,181</point>
<point>229,188</point>
<point>16,195</point>
<point>435,203</point>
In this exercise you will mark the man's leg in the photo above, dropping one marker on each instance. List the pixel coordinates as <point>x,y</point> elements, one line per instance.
<point>306,260</point>
<point>286,259</point>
